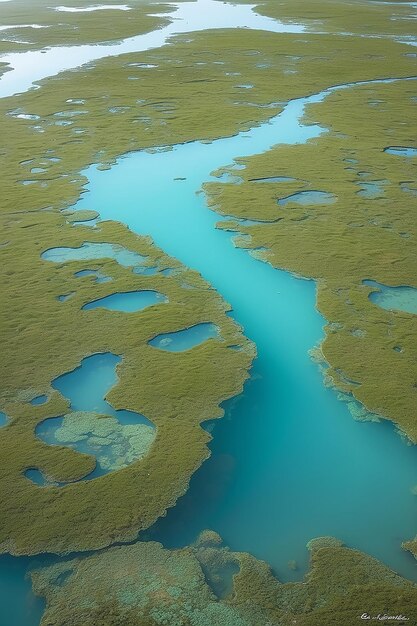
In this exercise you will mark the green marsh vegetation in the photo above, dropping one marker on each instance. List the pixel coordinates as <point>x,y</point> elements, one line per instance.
<point>60,28</point>
<point>356,17</point>
<point>192,91</point>
<point>207,584</point>
<point>371,351</point>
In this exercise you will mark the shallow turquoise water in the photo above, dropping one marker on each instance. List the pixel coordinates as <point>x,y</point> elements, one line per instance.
<point>89,250</point>
<point>3,419</point>
<point>185,339</point>
<point>406,151</point>
<point>128,302</point>
<point>306,198</point>
<point>372,189</point>
<point>86,388</point>
<point>289,463</point>
<point>39,400</point>
<point>402,298</point>
<point>98,276</point>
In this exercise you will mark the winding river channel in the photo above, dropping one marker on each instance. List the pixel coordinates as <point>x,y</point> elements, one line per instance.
<point>289,463</point>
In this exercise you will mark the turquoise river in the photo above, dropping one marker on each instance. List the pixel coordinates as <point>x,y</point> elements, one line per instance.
<point>288,462</point>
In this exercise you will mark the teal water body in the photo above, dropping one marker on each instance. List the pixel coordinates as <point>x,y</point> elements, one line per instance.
<point>86,388</point>
<point>402,298</point>
<point>372,189</point>
<point>306,198</point>
<point>406,151</point>
<point>288,461</point>
<point>186,339</point>
<point>98,276</point>
<point>3,419</point>
<point>128,302</point>
<point>89,251</point>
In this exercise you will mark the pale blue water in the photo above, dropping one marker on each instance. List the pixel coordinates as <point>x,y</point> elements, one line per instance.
<point>3,419</point>
<point>408,188</point>
<point>372,189</point>
<point>402,298</point>
<point>406,151</point>
<point>89,250</point>
<point>185,339</point>
<point>273,179</point>
<point>39,400</point>
<point>129,302</point>
<point>65,296</point>
<point>86,388</point>
<point>289,463</point>
<point>98,276</point>
<point>308,197</point>
<point>146,271</point>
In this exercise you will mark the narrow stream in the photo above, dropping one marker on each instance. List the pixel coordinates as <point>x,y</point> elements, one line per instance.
<point>288,461</point>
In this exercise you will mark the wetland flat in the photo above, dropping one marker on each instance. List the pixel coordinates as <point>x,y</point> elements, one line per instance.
<point>208,384</point>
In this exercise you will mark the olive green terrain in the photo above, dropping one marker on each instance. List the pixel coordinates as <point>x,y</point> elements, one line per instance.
<point>74,28</point>
<point>371,351</point>
<point>47,337</point>
<point>356,17</point>
<point>208,585</point>
<point>94,115</point>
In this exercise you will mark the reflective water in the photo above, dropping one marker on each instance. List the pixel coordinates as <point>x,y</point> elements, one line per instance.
<point>182,340</point>
<point>289,462</point>
<point>3,419</point>
<point>32,66</point>
<point>402,298</point>
<point>129,302</point>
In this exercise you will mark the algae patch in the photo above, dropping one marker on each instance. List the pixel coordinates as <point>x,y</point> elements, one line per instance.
<point>207,584</point>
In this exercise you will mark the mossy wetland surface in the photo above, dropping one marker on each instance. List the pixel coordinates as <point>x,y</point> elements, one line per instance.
<point>298,206</point>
